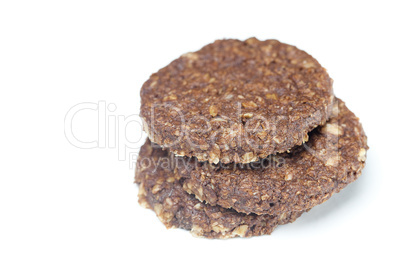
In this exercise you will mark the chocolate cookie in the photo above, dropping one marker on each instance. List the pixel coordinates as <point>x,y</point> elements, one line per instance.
<point>163,192</point>
<point>332,158</point>
<point>235,101</point>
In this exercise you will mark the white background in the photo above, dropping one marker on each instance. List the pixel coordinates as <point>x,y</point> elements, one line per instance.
<point>62,206</point>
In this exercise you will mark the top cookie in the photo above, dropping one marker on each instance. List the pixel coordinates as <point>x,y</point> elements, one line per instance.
<point>235,101</point>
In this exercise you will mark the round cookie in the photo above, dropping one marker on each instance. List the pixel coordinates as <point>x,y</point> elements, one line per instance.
<point>236,101</point>
<point>160,191</point>
<point>296,181</point>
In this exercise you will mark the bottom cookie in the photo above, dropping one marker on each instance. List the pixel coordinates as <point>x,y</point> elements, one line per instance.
<point>161,191</point>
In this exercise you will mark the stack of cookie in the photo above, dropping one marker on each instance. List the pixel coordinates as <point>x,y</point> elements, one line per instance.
<point>244,136</point>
